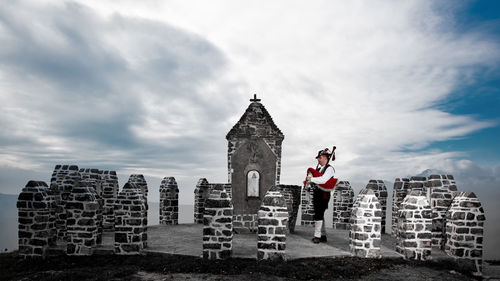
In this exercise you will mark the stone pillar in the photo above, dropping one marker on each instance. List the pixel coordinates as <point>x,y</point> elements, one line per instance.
<point>200,195</point>
<point>380,191</point>
<point>441,195</point>
<point>218,225</point>
<point>291,193</point>
<point>109,195</point>
<point>140,181</point>
<point>61,193</point>
<point>169,201</point>
<point>343,197</point>
<point>307,217</point>
<point>273,220</point>
<point>400,190</point>
<point>82,220</point>
<point>130,224</point>
<point>94,177</point>
<point>464,230</point>
<point>36,226</point>
<point>418,183</point>
<point>60,172</point>
<point>414,226</point>
<point>366,215</point>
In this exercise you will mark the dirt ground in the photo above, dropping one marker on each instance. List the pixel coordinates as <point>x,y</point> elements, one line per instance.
<point>176,267</point>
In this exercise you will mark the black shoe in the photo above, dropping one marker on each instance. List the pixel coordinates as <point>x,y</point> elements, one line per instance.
<point>323,238</point>
<point>316,240</point>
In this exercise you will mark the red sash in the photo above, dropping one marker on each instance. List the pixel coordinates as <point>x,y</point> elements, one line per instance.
<point>327,186</point>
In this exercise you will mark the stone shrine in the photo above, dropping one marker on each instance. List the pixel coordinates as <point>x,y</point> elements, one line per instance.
<point>254,161</point>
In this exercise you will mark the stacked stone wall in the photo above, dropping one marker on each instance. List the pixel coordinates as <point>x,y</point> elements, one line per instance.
<point>131,221</point>
<point>291,193</point>
<point>380,191</point>
<point>307,208</point>
<point>414,226</point>
<point>60,172</point>
<point>109,194</point>
<point>400,190</point>
<point>418,183</point>
<point>201,193</point>
<point>94,177</point>
<point>169,201</point>
<point>217,224</point>
<point>464,230</point>
<point>366,216</point>
<point>441,195</point>
<point>343,199</point>
<point>272,223</point>
<point>62,192</point>
<point>82,210</point>
<point>36,221</point>
<point>140,181</point>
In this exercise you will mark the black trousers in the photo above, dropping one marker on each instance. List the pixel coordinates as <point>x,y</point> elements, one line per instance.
<point>320,203</point>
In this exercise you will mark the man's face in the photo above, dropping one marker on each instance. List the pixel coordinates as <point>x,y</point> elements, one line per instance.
<point>322,160</point>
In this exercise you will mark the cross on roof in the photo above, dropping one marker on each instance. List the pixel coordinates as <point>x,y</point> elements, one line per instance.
<point>255,99</point>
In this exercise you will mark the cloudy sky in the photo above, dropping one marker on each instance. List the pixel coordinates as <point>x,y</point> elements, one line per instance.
<point>153,87</point>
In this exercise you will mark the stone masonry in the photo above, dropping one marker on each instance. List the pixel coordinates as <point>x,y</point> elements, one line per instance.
<point>307,207</point>
<point>82,219</point>
<point>94,177</point>
<point>140,181</point>
<point>217,225</point>
<point>36,224</point>
<point>169,201</point>
<point>343,197</point>
<point>201,193</point>
<point>418,183</point>
<point>61,193</point>
<point>464,230</point>
<point>131,222</point>
<point>109,193</point>
<point>273,220</point>
<point>441,195</point>
<point>380,191</point>
<point>400,190</point>
<point>291,193</point>
<point>414,226</point>
<point>364,236</point>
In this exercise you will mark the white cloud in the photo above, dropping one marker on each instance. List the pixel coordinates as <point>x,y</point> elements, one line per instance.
<point>156,85</point>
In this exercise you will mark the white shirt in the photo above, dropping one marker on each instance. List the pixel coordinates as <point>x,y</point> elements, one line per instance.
<point>325,177</point>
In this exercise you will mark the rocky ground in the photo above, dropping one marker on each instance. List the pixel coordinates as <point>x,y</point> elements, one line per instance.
<point>177,267</point>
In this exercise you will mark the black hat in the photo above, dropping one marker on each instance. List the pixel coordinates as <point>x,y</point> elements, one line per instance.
<point>325,152</point>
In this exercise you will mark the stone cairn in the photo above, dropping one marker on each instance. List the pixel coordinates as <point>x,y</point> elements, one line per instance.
<point>82,219</point>
<point>343,197</point>
<point>366,216</point>
<point>400,190</point>
<point>414,226</point>
<point>272,222</point>
<point>291,193</point>
<point>36,223</point>
<point>93,176</point>
<point>441,195</point>
<point>218,225</point>
<point>307,217</point>
<point>61,193</point>
<point>380,191</point>
<point>169,201</point>
<point>131,221</point>
<point>201,193</point>
<point>109,193</point>
<point>464,230</point>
